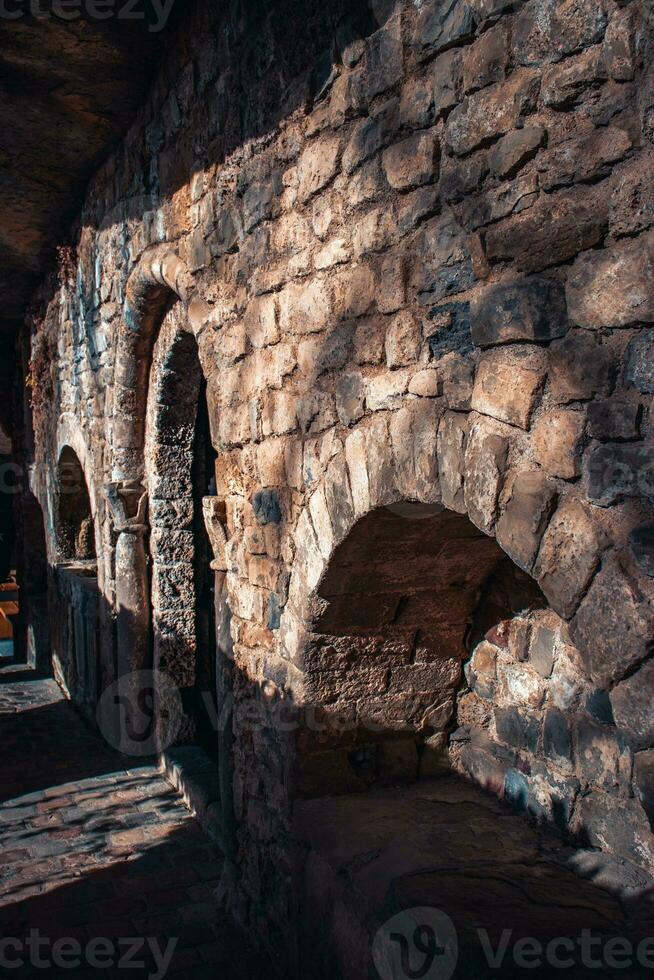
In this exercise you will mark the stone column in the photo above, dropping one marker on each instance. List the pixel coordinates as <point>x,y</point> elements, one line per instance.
<point>214,519</point>
<point>127,505</point>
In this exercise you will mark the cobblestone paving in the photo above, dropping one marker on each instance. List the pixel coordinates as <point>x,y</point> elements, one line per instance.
<point>94,848</point>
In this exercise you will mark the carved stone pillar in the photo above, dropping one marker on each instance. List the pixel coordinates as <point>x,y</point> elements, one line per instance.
<point>214,519</point>
<point>127,505</point>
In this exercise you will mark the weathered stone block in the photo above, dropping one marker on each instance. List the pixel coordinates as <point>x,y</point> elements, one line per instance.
<point>350,398</point>
<point>451,442</point>
<point>486,60</point>
<point>613,287</point>
<point>426,384</point>
<point>622,829</point>
<point>589,157</point>
<point>481,671</point>
<point>386,389</point>
<point>492,112</point>
<point>403,340</point>
<point>447,81</point>
<point>507,384</point>
<point>602,757</point>
<point>385,59</point>
<point>557,744</point>
<point>614,626</point>
<point>520,684</point>
<point>318,165</point>
<point>565,84</point>
<point>541,650</point>
<point>579,368</point>
<point>548,30</point>
<point>641,545</point>
<point>639,363</point>
<point>617,470</point>
<point>557,438</point>
<point>569,554</point>
<point>618,48</point>
<point>632,198</point>
<point>552,231</point>
<point>615,418</point>
<point>506,199</point>
<point>633,705</point>
<point>525,517</point>
<point>444,25</point>
<point>485,464</point>
<point>514,150</point>
<point>412,162</point>
<point>261,322</point>
<point>517,728</point>
<point>305,307</point>
<point>644,782</point>
<point>529,309</point>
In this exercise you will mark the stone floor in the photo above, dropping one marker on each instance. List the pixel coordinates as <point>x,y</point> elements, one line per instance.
<point>385,861</point>
<point>95,847</point>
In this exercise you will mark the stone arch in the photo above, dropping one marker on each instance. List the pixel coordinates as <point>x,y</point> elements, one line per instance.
<point>553,713</point>
<point>75,515</point>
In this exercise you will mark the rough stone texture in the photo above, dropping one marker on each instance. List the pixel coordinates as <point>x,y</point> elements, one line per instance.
<point>507,384</point>
<point>614,627</point>
<point>526,513</point>
<point>568,556</point>
<point>318,213</point>
<point>633,709</point>
<point>557,439</point>
<point>532,309</point>
<point>612,288</point>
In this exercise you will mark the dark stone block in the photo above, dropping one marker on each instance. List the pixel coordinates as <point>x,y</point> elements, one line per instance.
<point>644,782</point>
<point>533,309</point>
<point>639,366</point>
<point>551,797</point>
<point>443,25</point>
<point>516,790</point>
<point>457,338</point>
<point>641,543</point>
<point>517,728</point>
<point>615,418</point>
<point>556,736</point>
<point>633,707</point>
<point>616,471</point>
<point>598,753</point>
<point>266,506</point>
<point>614,628</point>
<point>274,612</point>
<point>598,706</point>
<point>541,651</point>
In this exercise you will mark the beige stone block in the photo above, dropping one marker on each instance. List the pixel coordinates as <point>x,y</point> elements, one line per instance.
<point>318,165</point>
<point>261,321</point>
<point>305,307</point>
<point>386,390</point>
<point>557,438</point>
<point>403,340</point>
<point>507,384</point>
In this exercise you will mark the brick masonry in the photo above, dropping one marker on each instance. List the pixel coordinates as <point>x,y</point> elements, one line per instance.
<point>415,262</point>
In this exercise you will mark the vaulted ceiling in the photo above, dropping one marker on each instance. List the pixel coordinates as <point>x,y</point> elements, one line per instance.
<point>68,92</point>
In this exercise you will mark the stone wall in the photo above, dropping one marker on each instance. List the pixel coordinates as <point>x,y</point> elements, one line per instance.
<point>413,246</point>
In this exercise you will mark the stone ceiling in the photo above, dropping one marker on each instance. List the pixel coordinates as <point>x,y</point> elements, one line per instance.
<point>68,91</point>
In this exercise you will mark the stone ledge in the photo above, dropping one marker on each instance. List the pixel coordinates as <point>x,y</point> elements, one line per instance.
<point>195,776</point>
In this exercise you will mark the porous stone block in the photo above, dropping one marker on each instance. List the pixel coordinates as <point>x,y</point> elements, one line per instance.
<point>614,626</point>
<point>304,307</point>
<point>548,30</point>
<point>618,470</point>
<point>557,438</point>
<point>525,516</point>
<point>553,230</point>
<point>317,166</point>
<point>514,150</point>
<point>442,26</point>
<point>485,464</point>
<point>518,728</point>
<point>403,340</point>
<point>615,418</point>
<point>412,162</point>
<point>613,287</point>
<point>564,84</point>
<point>633,706</point>
<point>529,309</point>
<point>557,743</point>
<point>641,545</point>
<point>632,196</point>
<point>451,442</point>
<point>447,78</point>
<point>486,60</point>
<point>507,383</point>
<point>491,112</point>
<point>569,554</point>
<point>644,782</point>
<point>622,829</point>
<point>589,157</point>
<point>639,363</point>
<point>580,366</point>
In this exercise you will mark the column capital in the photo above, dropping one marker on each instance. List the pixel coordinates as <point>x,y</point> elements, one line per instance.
<point>127,502</point>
